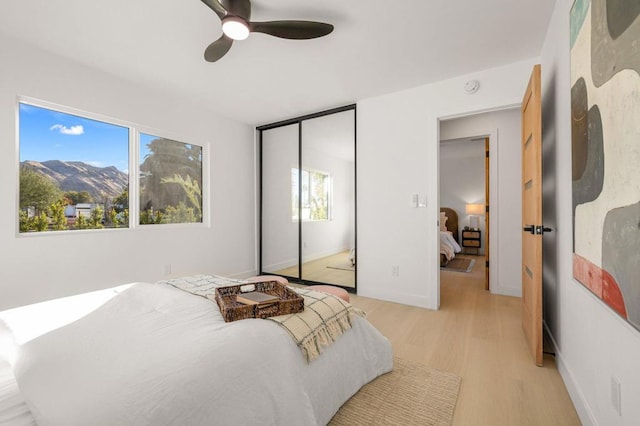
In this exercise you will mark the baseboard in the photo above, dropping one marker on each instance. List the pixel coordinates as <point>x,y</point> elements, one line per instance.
<point>402,298</point>
<point>508,291</point>
<point>306,258</point>
<point>243,275</point>
<point>575,393</point>
<point>280,265</point>
<point>314,256</point>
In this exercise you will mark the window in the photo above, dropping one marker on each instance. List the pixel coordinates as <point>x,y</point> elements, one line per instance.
<point>315,195</point>
<point>170,181</point>
<point>73,172</point>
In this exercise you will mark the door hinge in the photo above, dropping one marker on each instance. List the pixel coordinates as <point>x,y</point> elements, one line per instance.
<point>486,264</point>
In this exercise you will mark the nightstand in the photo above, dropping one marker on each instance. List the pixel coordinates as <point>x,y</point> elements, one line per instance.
<point>471,241</point>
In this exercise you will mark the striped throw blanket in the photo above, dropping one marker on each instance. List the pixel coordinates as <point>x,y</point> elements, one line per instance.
<point>324,319</point>
<point>201,285</point>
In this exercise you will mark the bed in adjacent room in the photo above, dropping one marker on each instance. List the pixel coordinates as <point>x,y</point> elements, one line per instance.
<point>154,354</point>
<point>449,246</point>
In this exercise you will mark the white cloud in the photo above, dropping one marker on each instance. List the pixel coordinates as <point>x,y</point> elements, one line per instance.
<point>73,130</point>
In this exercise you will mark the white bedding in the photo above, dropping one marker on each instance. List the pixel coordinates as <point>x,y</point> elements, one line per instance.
<point>154,355</point>
<point>448,245</point>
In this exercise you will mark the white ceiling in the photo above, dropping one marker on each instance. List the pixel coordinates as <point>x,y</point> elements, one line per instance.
<point>377,47</point>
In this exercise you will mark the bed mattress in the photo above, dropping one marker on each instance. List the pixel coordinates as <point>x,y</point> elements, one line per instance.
<point>152,354</point>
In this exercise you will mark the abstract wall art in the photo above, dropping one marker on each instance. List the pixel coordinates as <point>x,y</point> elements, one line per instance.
<point>605,142</point>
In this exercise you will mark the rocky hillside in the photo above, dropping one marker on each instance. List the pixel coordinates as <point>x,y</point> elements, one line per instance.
<point>79,176</point>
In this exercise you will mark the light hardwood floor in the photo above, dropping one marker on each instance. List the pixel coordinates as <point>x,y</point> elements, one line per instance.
<point>319,270</point>
<point>478,336</point>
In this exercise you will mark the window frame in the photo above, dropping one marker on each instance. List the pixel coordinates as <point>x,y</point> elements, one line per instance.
<point>134,131</point>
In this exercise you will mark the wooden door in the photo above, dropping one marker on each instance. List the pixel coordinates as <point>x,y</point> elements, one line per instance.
<point>486,214</point>
<point>532,216</point>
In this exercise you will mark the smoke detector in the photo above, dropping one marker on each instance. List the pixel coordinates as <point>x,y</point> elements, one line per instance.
<point>471,86</point>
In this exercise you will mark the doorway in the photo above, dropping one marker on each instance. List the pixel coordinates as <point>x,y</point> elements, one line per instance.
<point>464,196</point>
<point>503,128</point>
<point>307,198</point>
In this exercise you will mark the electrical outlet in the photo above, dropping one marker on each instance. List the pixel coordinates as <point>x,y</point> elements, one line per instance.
<point>616,395</point>
<point>395,271</point>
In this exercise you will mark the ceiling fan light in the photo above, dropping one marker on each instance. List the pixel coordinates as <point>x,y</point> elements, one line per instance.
<point>235,28</point>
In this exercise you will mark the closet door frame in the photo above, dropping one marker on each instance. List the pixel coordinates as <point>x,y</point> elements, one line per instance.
<point>299,121</point>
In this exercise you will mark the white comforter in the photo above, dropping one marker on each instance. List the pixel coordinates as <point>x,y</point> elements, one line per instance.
<point>448,245</point>
<point>154,355</point>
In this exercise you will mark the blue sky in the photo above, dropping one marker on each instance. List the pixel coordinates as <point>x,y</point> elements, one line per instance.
<point>51,135</point>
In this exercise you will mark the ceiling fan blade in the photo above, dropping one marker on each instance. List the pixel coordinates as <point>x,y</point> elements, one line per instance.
<point>218,49</point>
<point>216,7</point>
<point>241,8</point>
<point>294,30</point>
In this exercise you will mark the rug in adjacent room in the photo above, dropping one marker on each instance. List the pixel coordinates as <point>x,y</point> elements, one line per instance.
<point>459,264</point>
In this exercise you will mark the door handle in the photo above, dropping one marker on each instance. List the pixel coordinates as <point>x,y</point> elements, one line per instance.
<point>540,230</point>
<point>530,228</point>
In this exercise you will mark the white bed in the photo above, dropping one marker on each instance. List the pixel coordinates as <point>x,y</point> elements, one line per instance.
<point>449,246</point>
<point>150,354</point>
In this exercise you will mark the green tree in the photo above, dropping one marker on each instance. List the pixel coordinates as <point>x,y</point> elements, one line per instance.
<point>76,197</point>
<point>167,158</point>
<point>150,217</point>
<point>41,222</point>
<point>26,223</point>
<point>59,221</point>
<point>37,190</point>
<point>113,218</point>
<point>81,222</point>
<point>180,214</point>
<point>192,191</point>
<point>96,217</point>
<point>124,217</point>
<point>121,202</point>
<point>319,196</point>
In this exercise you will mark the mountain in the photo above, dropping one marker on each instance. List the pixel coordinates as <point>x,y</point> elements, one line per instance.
<point>79,176</point>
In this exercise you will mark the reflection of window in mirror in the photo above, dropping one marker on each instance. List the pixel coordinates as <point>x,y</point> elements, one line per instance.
<point>315,195</point>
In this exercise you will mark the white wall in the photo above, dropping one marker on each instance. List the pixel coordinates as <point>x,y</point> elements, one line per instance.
<point>462,176</point>
<point>592,342</point>
<point>398,144</point>
<point>504,130</point>
<point>34,268</point>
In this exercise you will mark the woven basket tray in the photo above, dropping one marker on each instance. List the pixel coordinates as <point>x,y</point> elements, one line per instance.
<point>290,302</point>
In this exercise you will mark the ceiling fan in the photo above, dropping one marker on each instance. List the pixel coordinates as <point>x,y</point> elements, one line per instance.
<point>236,25</point>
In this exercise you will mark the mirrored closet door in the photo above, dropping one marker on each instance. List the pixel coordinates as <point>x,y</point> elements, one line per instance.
<point>280,227</point>
<point>308,168</point>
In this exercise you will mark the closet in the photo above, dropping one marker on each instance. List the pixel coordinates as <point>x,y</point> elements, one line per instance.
<point>308,198</point>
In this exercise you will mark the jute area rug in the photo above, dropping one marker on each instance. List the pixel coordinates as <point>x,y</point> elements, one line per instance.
<point>459,264</point>
<point>411,394</point>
